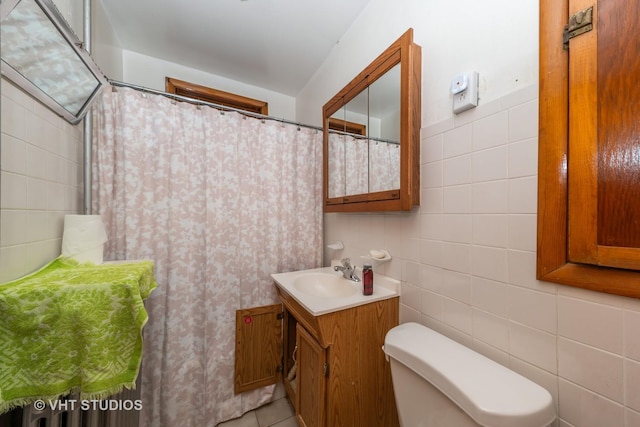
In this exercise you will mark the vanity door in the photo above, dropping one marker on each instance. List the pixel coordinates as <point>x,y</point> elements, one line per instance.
<point>311,379</point>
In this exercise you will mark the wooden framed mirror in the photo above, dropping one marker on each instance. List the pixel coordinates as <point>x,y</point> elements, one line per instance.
<point>372,135</point>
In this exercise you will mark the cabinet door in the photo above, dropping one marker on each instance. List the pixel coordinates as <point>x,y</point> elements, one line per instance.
<point>589,162</point>
<point>604,137</point>
<point>258,347</point>
<point>311,381</point>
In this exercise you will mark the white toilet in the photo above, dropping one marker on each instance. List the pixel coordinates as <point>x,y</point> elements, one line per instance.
<point>438,382</point>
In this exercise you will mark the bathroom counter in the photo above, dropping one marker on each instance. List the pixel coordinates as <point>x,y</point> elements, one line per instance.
<point>319,304</point>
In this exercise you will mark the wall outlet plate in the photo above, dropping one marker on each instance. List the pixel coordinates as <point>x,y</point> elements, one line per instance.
<point>468,98</point>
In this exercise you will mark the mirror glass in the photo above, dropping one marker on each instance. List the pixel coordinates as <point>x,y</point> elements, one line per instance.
<point>372,139</point>
<point>42,55</point>
<point>364,140</point>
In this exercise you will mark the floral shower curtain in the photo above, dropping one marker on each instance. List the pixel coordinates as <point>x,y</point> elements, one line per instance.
<point>360,165</point>
<point>219,201</point>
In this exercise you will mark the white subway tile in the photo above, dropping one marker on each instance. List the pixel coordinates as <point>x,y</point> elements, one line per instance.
<point>411,272</point>
<point>38,165</point>
<point>522,232</point>
<point>432,149</point>
<point>431,278</point>
<point>13,227</point>
<point>457,228</point>
<point>489,165</point>
<point>457,141</point>
<point>432,200</point>
<point>457,170</point>
<point>523,158</point>
<point>12,262</point>
<point>522,272</point>
<point>432,304</point>
<point>490,230</point>
<point>408,314</point>
<point>488,262</point>
<point>437,128</point>
<point>13,92</point>
<point>532,308</point>
<point>632,384</point>
<point>583,408</point>
<point>432,226</point>
<point>36,134</point>
<point>13,191</point>
<point>489,295</point>
<point>457,199</point>
<point>456,257</point>
<point>457,315</point>
<point>523,121</point>
<point>491,329</point>
<point>456,286</point>
<point>36,194</point>
<point>410,295</point>
<point>632,334</point>
<point>13,155</point>
<point>533,346</point>
<point>490,197</point>
<point>431,253</point>
<point>490,131</point>
<point>631,418</point>
<point>523,195</point>
<point>481,111</point>
<point>13,118</point>
<point>56,196</point>
<point>431,175</point>
<point>596,370</point>
<point>594,324</point>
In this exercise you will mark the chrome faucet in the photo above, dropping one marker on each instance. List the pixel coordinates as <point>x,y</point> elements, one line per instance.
<point>348,271</point>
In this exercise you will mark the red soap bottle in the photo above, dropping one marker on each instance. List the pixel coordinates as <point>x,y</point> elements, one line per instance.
<point>367,279</point>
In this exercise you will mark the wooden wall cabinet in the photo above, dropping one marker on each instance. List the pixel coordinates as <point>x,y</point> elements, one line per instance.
<point>589,148</point>
<point>342,377</point>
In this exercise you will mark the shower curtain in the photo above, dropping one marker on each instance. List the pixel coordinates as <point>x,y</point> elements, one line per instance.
<point>219,201</point>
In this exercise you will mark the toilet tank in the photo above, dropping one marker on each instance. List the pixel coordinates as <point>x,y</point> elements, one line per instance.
<point>489,393</point>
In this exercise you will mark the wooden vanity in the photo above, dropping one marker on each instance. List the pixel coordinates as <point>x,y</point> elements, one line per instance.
<point>342,376</point>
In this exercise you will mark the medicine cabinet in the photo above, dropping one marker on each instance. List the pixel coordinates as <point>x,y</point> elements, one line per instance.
<point>372,135</point>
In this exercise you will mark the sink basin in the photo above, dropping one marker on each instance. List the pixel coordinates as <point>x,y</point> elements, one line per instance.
<point>323,290</point>
<point>324,285</point>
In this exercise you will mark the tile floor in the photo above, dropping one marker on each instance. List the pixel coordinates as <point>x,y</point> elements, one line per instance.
<point>278,413</point>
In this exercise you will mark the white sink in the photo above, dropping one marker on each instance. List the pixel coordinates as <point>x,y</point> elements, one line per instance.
<point>324,285</point>
<point>323,290</point>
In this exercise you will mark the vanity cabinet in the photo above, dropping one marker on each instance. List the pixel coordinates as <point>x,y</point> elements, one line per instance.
<point>342,377</point>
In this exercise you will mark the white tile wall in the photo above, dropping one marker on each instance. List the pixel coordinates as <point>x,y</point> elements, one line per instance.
<point>40,181</point>
<point>472,276</point>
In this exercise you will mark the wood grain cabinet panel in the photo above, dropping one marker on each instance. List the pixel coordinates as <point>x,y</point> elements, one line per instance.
<point>341,376</point>
<point>589,148</point>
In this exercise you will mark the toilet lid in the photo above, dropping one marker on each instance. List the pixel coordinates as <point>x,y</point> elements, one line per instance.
<point>488,392</point>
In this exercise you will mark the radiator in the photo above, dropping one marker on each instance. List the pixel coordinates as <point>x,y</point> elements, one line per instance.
<point>69,412</point>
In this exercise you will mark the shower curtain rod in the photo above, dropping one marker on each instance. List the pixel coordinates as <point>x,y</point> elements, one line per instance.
<point>368,138</point>
<point>209,104</point>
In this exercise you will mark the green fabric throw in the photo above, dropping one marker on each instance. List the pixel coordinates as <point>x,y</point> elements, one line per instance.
<point>72,327</point>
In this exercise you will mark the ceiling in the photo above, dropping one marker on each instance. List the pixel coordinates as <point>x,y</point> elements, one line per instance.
<point>273,44</point>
